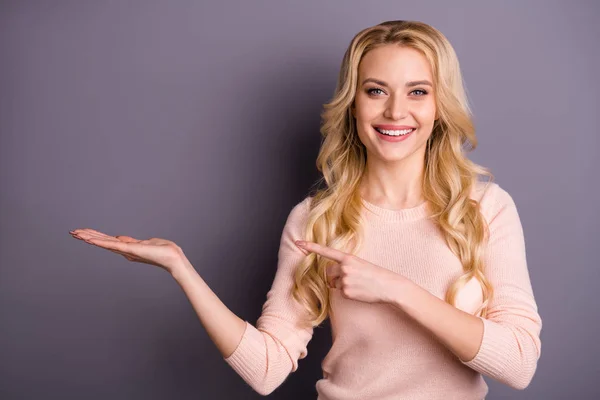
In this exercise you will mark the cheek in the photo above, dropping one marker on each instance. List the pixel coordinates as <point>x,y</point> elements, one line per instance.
<point>366,110</point>
<point>431,108</point>
<point>426,114</point>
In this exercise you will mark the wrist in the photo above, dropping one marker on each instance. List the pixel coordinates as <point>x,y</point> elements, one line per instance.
<point>399,292</point>
<point>181,268</point>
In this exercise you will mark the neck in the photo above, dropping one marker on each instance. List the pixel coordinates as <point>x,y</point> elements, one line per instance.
<point>393,186</point>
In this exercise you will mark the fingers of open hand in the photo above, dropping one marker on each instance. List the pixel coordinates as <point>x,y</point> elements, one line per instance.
<point>89,234</point>
<point>154,251</point>
<point>108,242</point>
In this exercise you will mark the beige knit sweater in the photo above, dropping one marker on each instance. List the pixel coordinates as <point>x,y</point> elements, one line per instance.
<point>380,353</point>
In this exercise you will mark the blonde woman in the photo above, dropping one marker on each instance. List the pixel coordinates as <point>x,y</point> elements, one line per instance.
<point>418,263</point>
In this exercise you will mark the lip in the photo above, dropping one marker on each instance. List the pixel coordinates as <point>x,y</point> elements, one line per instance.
<point>394,127</point>
<point>393,138</point>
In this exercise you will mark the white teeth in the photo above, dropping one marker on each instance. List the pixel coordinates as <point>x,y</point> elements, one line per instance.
<point>395,133</point>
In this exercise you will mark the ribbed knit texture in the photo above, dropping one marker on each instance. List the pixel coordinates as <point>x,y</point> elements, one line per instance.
<point>380,353</point>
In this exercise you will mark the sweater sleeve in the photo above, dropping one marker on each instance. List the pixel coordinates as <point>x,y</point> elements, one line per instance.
<point>268,352</point>
<point>511,344</point>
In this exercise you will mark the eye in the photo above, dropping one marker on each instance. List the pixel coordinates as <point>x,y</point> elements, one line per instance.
<point>370,91</point>
<point>424,92</point>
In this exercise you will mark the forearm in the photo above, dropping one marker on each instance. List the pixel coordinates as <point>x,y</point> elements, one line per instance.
<point>459,331</point>
<point>223,327</point>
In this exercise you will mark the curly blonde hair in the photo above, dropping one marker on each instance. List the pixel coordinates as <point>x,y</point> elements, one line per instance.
<point>334,216</point>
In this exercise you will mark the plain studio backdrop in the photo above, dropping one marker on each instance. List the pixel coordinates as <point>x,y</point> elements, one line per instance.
<point>199,122</point>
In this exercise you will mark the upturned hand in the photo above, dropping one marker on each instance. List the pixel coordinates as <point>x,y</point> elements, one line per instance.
<point>162,253</point>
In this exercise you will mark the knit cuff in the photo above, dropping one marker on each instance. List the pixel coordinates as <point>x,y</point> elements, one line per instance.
<point>492,357</point>
<point>245,358</point>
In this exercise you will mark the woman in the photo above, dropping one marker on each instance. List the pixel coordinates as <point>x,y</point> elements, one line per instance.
<point>419,265</point>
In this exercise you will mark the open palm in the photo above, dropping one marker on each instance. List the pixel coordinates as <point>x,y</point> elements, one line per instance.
<point>155,251</point>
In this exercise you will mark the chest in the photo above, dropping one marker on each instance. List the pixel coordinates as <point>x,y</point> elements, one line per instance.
<point>417,251</point>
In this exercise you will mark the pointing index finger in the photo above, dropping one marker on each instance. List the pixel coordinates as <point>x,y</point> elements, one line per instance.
<point>328,252</point>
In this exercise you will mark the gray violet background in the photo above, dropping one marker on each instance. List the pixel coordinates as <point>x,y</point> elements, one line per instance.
<point>199,122</point>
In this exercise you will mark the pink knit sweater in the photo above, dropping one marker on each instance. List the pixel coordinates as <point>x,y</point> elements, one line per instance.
<point>380,353</point>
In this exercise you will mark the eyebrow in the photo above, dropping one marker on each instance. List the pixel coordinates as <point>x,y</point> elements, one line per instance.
<point>408,84</point>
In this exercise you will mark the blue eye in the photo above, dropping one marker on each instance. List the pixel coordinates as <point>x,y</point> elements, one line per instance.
<point>370,91</point>
<point>417,92</point>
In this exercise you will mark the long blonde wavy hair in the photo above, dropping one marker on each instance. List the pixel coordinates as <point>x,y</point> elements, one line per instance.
<point>334,216</point>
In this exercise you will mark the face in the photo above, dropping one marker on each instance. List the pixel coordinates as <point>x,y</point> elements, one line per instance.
<point>394,106</point>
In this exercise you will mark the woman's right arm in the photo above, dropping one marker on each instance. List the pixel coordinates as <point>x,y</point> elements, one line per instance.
<point>266,354</point>
<point>223,327</point>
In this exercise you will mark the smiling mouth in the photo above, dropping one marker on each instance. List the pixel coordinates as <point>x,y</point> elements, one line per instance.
<point>399,132</point>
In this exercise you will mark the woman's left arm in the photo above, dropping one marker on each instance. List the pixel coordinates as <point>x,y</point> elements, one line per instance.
<point>506,344</point>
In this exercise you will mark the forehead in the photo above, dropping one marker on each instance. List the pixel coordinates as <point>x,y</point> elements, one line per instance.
<point>394,64</point>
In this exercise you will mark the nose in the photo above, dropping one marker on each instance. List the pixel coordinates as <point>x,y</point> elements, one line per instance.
<point>396,107</point>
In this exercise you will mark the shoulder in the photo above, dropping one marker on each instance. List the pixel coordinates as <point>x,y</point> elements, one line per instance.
<point>302,208</point>
<point>299,213</point>
<point>492,198</point>
<point>296,223</point>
